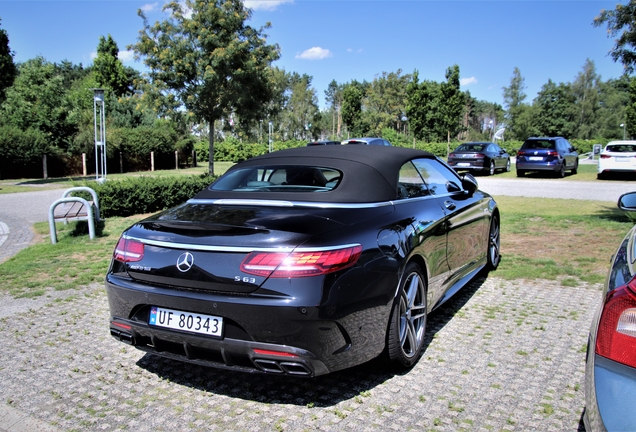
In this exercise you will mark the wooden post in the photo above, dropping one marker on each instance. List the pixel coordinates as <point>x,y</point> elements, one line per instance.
<point>84,169</point>
<point>194,158</point>
<point>152,161</point>
<point>44,167</point>
<point>176,159</point>
<point>121,162</point>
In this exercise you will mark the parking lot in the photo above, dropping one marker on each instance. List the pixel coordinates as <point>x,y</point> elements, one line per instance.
<point>500,356</point>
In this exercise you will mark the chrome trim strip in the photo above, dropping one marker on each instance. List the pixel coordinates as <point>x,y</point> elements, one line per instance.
<point>281,203</point>
<point>235,249</point>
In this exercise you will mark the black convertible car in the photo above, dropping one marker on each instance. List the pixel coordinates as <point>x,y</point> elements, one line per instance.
<point>303,261</point>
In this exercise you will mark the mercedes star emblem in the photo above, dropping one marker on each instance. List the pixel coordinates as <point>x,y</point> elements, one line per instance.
<point>185,262</point>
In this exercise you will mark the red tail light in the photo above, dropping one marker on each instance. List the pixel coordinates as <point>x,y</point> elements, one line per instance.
<point>604,156</point>
<point>479,155</point>
<point>274,353</point>
<point>521,153</point>
<point>616,337</point>
<point>552,153</point>
<point>128,250</point>
<point>452,155</point>
<point>300,264</point>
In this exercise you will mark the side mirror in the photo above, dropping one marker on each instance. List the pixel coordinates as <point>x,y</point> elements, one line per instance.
<point>469,183</point>
<point>627,201</point>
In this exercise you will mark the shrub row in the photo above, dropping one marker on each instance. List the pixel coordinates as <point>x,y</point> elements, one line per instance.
<point>146,194</point>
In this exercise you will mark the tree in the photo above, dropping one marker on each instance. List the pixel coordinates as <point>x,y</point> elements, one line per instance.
<point>630,110</point>
<point>556,115</point>
<point>621,22</point>
<point>301,108</point>
<point>614,97</point>
<point>385,101</point>
<point>586,94</point>
<point>210,60</point>
<point>452,103</point>
<point>109,71</point>
<point>8,69</point>
<point>513,102</point>
<point>37,100</point>
<point>352,95</point>
<point>333,96</point>
<point>422,108</point>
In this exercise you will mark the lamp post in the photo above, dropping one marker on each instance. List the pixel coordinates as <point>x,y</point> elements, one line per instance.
<point>271,127</point>
<point>99,119</point>
<point>623,126</point>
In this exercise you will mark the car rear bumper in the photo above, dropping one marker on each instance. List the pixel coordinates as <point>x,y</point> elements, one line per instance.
<point>541,166</point>
<point>472,166</point>
<point>616,168</point>
<point>610,392</point>
<point>260,334</point>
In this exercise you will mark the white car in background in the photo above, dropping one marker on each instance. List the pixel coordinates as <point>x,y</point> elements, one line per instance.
<point>617,157</point>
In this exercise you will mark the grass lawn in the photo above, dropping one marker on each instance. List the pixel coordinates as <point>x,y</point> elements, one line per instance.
<point>567,240</point>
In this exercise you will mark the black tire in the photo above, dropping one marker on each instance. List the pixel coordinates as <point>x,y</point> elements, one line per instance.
<point>491,168</point>
<point>494,244</point>
<point>520,173</point>
<point>508,165</point>
<point>407,325</point>
<point>576,167</point>
<point>561,172</point>
<point>601,176</point>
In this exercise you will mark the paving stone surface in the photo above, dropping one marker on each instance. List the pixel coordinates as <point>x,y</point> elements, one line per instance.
<point>501,355</point>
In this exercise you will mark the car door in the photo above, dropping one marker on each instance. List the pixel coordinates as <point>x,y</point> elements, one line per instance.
<point>466,220</point>
<point>497,153</point>
<point>565,148</point>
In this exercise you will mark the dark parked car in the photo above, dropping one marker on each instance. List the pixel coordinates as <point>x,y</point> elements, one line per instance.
<point>486,157</point>
<point>367,141</point>
<point>304,261</point>
<point>554,154</point>
<point>610,373</point>
<point>323,142</point>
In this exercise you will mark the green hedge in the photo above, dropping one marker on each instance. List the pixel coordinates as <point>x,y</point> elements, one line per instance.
<point>145,194</point>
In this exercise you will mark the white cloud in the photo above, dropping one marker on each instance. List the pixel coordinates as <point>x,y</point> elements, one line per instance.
<point>351,50</point>
<point>265,4</point>
<point>314,53</point>
<point>150,7</point>
<point>468,81</point>
<point>126,56</point>
<point>93,55</point>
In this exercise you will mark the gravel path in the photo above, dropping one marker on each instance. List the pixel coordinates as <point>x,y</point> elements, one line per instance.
<point>499,356</point>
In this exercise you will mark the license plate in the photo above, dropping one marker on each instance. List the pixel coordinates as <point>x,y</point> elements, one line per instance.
<point>463,164</point>
<point>623,159</point>
<point>535,158</point>
<point>186,321</point>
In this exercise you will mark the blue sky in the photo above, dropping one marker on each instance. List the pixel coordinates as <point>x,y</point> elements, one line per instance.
<point>357,39</point>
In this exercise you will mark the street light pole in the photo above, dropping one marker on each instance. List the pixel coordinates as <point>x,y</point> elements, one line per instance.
<point>99,123</point>
<point>623,126</point>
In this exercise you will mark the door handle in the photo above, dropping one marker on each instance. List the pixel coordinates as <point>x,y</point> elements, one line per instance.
<point>449,205</point>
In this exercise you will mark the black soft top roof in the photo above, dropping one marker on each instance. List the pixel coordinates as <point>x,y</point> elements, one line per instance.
<point>370,173</point>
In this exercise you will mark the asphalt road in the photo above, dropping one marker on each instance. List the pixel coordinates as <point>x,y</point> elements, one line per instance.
<point>556,188</point>
<point>501,355</point>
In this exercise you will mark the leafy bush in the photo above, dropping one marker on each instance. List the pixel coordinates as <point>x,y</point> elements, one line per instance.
<point>146,194</point>
<point>22,146</point>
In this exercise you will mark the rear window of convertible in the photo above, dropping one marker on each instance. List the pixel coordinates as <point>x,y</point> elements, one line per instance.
<point>279,179</point>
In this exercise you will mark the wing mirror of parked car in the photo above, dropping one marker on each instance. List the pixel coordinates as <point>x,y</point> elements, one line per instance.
<point>469,183</point>
<point>627,201</point>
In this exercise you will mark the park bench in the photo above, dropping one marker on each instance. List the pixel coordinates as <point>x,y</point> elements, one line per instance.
<point>73,208</point>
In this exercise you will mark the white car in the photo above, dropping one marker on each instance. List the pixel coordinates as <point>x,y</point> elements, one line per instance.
<point>617,157</point>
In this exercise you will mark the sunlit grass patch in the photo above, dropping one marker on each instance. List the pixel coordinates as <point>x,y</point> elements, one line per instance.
<point>74,261</point>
